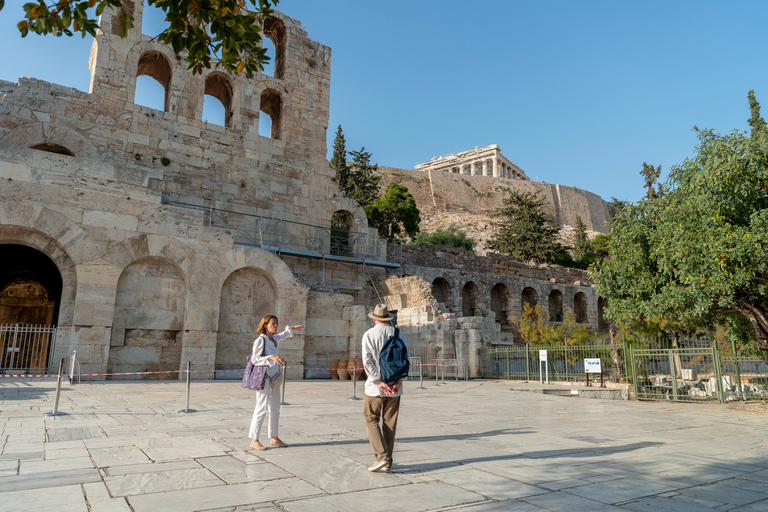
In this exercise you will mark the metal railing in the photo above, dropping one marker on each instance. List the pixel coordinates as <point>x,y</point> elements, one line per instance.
<point>26,348</point>
<point>566,364</point>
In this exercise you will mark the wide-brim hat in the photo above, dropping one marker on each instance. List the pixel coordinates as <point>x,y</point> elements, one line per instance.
<point>381,313</point>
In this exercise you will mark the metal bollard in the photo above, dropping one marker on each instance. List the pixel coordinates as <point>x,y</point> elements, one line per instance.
<point>282,394</point>
<point>186,408</point>
<point>442,373</point>
<point>55,411</point>
<point>437,376</point>
<point>354,382</point>
<point>421,376</point>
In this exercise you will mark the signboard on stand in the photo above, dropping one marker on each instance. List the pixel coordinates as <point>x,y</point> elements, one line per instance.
<point>592,366</point>
<point>543,360</point>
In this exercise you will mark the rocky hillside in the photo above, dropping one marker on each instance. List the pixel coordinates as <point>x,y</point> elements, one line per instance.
<point>470,202</point>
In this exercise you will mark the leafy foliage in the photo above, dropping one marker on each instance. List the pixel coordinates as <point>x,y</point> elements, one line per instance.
<point>651,175</point>
<point>580,240</point>
<point>362,182</point>
<point>202,28</point>
<point>452,237</point>
<point>525,231</point>
<point>394,212</point>
<point>698,252</point>
<point>535,329</point>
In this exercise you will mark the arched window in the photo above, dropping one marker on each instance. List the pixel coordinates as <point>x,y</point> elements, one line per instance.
<point>441,291</point>
<point>556,306</point>
<point>218,87</point>
<point>530,297</point>
<point>580,307</point>
<point>155,65</point>
<point>272,105</point>
<point>500,304</point>
<point>274,29</point>
<point>341,225</point>
<point>52,148</point>
<point>469,296</point>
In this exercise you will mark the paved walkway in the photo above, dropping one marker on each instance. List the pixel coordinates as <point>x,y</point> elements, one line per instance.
<point>474,446</point>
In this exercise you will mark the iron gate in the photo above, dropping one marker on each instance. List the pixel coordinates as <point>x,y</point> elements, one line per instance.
<point>26,349</point>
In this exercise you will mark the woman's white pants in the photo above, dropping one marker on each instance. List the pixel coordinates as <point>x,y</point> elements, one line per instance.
<point>267,401</point>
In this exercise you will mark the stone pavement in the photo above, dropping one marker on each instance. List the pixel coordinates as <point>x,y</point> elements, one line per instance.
<point>474,446</point>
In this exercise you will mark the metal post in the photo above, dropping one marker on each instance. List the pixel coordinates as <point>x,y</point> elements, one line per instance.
<point>527,363</point>
<point>282,380</point>
<point>354,381</point>
<point>421,375</point>
<point>437,375</point>
<point>508,369</point>
<point>186,402</point>
<point>673,371</point>
<point>72,368</point>
<point>738,372</point>
<point>718,373</point>
<point>442,373</point>
<point>55,411</point>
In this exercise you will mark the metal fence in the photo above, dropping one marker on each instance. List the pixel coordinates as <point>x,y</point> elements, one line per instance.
<point>26,349</point>
<point>565,364</point>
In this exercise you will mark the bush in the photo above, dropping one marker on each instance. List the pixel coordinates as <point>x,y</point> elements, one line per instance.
<point>453,237</point>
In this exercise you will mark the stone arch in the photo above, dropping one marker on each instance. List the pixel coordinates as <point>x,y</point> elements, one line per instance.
<point>469,297</point>
<point>150,307</point>
<point>157,65</point>
<point>274,29</point>
<point>55,236</point>
<point>30,293</point>
<point>530,297</point>
<point>47,136</point>
<point>246,296</point>
<point>219,86</point>
<point>556,306</point>
<point>52,148</point>
<point>441,291</point>
<point>271,104</point>
<point>580,307</point>
<point>501,304</point>
<point>603,324</point>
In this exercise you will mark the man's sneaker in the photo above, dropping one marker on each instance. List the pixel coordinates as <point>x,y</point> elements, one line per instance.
<point>380,467</point>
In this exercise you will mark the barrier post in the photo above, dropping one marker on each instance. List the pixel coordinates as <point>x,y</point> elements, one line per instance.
<point>437,375</point>
<point>55,411</point>
<point>442,373</point>
<point>354,381</point>
<point>186,408</point>
<point>421,376</point>
<point>282,394</point>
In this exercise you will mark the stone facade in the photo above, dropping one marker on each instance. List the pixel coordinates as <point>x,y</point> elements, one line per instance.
<point>153,238</point>
<point>477,162</point>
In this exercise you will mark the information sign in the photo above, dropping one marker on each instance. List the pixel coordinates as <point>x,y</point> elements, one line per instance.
<point>592,366</point>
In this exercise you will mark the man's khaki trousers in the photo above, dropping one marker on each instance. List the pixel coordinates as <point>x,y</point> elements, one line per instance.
<point>382,438</point>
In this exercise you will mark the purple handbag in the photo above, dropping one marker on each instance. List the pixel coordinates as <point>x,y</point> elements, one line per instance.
<point>254,375</point>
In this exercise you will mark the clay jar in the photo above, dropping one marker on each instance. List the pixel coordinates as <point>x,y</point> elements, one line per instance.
<point>334,369</point>
<point>351,368</point>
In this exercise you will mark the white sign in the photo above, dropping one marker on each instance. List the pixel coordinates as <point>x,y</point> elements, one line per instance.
<point>592,366</point>
<point>543,356</point>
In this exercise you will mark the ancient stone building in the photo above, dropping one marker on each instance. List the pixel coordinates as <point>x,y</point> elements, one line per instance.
<point>477,162</point>
<point>152,238</point>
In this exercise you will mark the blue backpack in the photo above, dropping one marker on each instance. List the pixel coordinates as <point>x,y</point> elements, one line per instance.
<point>393,359</point>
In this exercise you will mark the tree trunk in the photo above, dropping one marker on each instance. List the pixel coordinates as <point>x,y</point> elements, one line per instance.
<point>616,363</point>
<point>757,318</point>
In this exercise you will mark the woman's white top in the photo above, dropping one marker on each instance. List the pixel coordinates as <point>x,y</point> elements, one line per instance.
<point>270,349</point>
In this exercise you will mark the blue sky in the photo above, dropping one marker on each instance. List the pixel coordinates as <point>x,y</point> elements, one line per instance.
<point>576,93</point>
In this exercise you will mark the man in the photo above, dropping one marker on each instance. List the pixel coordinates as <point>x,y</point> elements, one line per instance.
<point>382,400</point>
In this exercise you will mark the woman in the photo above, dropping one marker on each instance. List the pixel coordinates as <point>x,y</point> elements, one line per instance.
<point>264,353</point>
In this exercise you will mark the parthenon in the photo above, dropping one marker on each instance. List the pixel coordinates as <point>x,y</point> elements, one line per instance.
<point>477,162</point>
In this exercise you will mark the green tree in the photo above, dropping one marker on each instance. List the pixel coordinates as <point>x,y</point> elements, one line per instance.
<point>651,175</point>
<point>363,182</point>
<point>339,160</point>
<point>580,240</point>
<point>525,231</point>
<point>698,252</point>
<point>599,245</point>
<point>394,212</point>
<point>452,237</point>
<point>199,29</point>
<point>535,329</point>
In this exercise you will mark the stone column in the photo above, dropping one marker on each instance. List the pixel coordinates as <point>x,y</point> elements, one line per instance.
<point>496,169</point>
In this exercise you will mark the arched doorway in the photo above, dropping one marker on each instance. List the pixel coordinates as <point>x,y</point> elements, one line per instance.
<point>530,297</point>
<point>556,306</point>
<point>500,304</point>
<point>30,298</point>
<point>580,307</point>
<point>247,295</point>
<point>469,295</point>
<point>441,291</point>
